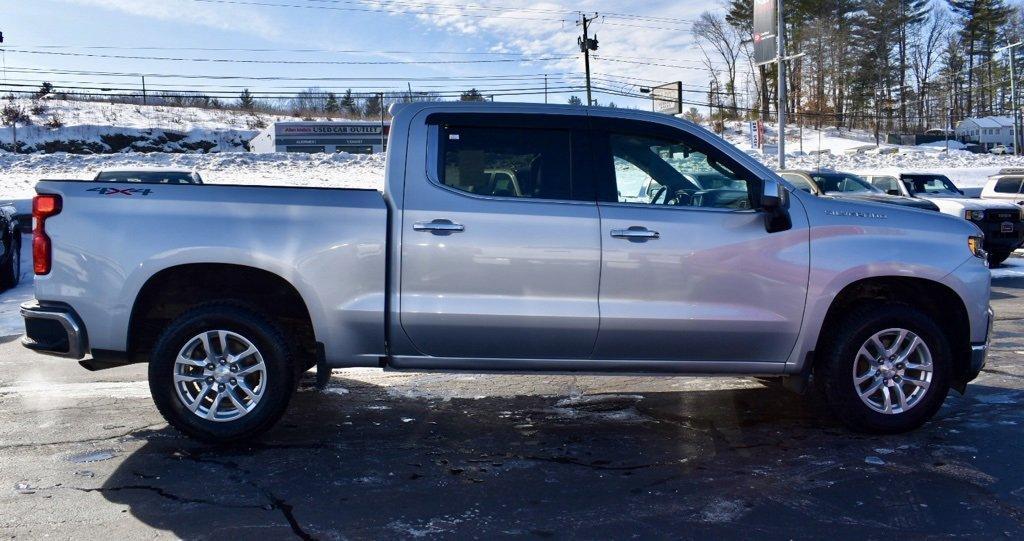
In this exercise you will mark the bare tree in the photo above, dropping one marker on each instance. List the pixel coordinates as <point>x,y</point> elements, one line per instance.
<point>726,42</point>
<point>925,49</point>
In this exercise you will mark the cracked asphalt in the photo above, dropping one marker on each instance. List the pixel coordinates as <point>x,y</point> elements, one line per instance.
<point>86,455</point>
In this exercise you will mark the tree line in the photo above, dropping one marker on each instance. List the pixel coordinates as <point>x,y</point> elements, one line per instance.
<point>897,65</point>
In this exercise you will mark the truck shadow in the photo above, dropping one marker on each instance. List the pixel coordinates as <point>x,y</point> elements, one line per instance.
<point>729,463</point>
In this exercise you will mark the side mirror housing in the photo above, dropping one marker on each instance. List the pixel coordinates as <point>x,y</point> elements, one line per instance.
<point>892,192</point>
<point>775,205</point>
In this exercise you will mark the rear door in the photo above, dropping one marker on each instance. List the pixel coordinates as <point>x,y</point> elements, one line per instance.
<point>501,244</point>
<point>690,273</point>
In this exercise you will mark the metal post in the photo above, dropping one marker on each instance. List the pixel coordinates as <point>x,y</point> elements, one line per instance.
<point>144,101</point>
<point>781,52</point>
<point>948,127</point>
<point>383,138</point>
<point>1013,93</point>
<point>545,88</point>
<point>1013,101</point>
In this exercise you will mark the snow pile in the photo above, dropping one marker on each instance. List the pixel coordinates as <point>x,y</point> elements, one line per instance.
<point>20,172</point>
<point>98,127</point>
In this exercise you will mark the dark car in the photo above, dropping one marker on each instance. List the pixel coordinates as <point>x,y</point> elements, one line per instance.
<point>10,247</point>
<point>849,186</point>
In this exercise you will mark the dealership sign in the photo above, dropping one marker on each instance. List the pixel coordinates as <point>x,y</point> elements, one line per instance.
<point>326,129</point>
<point>765,28</point>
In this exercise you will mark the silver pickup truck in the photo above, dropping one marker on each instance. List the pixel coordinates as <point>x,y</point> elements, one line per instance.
<point>512,238</point>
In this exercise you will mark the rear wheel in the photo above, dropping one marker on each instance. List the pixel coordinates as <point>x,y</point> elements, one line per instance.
<point>996,258</point>
<point>221,373</point>
<point>885,368</point>
<point>10,271</point>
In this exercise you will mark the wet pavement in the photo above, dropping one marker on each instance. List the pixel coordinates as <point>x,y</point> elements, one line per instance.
<point>378,455</point>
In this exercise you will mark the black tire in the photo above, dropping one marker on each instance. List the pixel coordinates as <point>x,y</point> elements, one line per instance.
<point>254,327</point>
<point>835,364</point>
<point>10,271</point>
<point>996,258</point>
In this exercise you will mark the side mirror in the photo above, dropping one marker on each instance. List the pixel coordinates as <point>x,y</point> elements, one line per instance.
<point>893,192</point>
<point>775,205</point>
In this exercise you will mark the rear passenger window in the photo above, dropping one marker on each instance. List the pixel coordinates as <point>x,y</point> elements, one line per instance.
<point>1008,185</point>
<point>508,162</point>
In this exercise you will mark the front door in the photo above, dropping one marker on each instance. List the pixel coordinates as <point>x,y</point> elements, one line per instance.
<point>501,244</point>
<point>689,272</point>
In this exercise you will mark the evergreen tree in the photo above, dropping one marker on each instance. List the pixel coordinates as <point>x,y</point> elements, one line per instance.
<point>332,107</point>
<point>374,106</point>
<point>246,101</point>
<point>575,100</point>
<point>472,95</point>
<point>348,104</point>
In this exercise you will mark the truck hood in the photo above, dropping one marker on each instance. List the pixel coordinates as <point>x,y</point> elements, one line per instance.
<point>947,204</point>
<point>911,202</point>
<point>967,203</point>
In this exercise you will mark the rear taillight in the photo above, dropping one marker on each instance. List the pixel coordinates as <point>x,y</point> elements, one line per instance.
<point>43,206</point>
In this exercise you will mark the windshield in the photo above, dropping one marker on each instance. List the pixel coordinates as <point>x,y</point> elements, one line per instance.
<point>930,184</point>
<point>147,177</point>
<point>842,182</point>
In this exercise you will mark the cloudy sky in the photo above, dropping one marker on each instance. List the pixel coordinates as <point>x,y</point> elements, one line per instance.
<point>279,46</point>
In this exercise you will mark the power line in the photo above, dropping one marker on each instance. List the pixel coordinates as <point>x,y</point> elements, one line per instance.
<point>289,62</point>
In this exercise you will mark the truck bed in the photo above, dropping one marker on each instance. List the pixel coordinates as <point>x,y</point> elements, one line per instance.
<point>111,238</point>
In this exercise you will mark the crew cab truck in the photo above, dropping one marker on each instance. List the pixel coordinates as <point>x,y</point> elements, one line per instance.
<point>1000,221</point>
<point>512,238</point>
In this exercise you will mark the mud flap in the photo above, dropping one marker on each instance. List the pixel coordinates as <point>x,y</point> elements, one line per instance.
<point>323,372</point>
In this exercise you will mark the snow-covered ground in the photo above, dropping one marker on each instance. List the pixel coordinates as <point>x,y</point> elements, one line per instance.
<point>855,151</point>
<point>20,172</point>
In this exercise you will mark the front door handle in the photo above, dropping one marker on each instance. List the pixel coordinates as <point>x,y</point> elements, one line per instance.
<point>635,233</point>
<point>439,227</point>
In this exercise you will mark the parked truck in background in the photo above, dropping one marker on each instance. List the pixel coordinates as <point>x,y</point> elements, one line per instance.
<point>1000,221</point>
<point>512,238</point>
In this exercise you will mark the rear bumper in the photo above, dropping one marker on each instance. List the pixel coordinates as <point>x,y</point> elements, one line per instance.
<point>54,329</point>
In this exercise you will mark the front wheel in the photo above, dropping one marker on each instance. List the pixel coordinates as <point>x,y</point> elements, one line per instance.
<point>885,368</point>
<point>221,373</point>
<point>996,258</point>
<point>10,271</point>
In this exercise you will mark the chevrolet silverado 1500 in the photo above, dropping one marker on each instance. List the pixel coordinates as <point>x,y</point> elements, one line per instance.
<point>515,238</point>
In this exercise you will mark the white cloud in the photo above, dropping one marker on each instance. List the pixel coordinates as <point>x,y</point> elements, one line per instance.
<point>541,29</point>
<point>221,17</point>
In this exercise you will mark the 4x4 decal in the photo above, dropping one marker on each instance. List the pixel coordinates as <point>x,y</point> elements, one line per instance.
<point>121,191</point>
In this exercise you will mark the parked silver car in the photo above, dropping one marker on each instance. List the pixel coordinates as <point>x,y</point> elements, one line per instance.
<point>518,238</point>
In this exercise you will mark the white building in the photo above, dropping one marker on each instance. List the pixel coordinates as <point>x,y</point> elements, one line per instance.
<point>311,137</point>
<point>988,131</point>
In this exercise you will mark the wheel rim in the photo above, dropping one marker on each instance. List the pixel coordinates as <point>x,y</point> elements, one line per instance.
<point>892,371</point>
<point>220,376</point>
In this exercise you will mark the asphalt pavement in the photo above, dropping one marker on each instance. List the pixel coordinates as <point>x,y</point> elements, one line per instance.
<point>86,455</point>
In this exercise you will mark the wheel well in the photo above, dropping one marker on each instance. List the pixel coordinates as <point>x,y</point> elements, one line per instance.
<point>933,298</point>
<point>170,292</point>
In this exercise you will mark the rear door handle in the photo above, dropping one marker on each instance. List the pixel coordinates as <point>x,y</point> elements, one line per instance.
<point>635,233</point>
<point>439,227</point>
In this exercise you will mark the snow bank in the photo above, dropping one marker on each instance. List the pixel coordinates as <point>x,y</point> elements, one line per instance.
<point>20,172</point>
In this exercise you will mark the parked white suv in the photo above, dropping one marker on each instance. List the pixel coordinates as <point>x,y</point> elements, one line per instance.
<point>1005,186</point>
<point>999,220</point>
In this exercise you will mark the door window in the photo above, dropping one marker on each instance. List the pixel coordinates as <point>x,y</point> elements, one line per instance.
<point>799,182</point>
<point>656,171</point>
<point>886,184</point>
<point>1008,185</point>
<point>508,162</point>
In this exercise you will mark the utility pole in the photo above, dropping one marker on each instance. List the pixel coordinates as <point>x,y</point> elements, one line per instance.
<point>383,138</point>
<point>587,44</point>
<point>780,38</point>
<point>1013,95</point>
<point>144,102</point>
<point>545,88</point>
